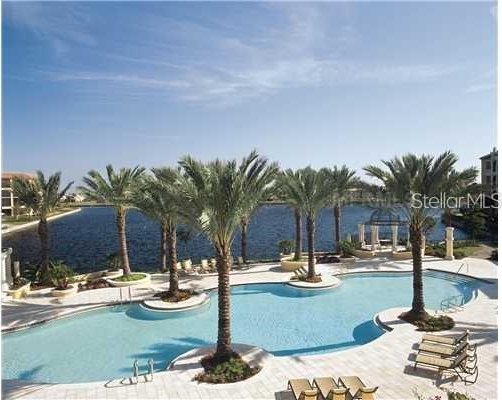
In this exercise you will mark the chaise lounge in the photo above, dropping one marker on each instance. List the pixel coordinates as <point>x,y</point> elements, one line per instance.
<point>357,389</point>
<point>330,390</point>
<point>448,340</point>
<point>302,390</point>
<point>457,366</point>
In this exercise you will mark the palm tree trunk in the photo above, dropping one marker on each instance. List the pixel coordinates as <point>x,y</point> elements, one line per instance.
<point>298,243</point>
<point>121,225</point>
<point>244,240</point>
<point>310,246</point>
<point>43,234</point>
<point>223,345</point>
<point>173,259</point>
<point>337,213</point>
<point>417,311</point>
<point>163,247</point>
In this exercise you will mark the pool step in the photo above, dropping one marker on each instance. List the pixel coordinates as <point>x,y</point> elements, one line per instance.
<point>448,277</point>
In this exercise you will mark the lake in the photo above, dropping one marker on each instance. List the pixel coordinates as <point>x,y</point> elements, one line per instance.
<point>84,239</point>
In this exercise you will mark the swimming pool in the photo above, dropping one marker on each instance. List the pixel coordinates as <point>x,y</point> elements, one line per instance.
<point>103,344</point>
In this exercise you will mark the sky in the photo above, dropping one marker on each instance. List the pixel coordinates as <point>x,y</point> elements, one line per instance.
<point>320,84</point>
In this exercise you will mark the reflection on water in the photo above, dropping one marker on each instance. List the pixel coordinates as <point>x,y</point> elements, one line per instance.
<point>84,239</point>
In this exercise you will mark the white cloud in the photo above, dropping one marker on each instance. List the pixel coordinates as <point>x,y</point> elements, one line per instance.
<point>226,65</point>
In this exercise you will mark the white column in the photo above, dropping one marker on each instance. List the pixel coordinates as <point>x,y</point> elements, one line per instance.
<point>17,270</point>
<point>377,234</point>
<point>394,237</point>
<point>422,245</point>
<point>349,238</point>
<point>408,244</point>
<point>449,244</point>
<point>6,269</point>
<point>373,237</point>
<point>361,234</point>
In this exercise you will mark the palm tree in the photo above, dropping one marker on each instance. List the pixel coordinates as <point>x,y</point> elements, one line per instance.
<point>118,190</point>
<point>409,179</point>
<point>308,191</point>
<point>341,180</point>
<point>458,184</point>
<point>157,197</point>
<point>260,189</point>
<point>42,197</point>
<point>214,199</point>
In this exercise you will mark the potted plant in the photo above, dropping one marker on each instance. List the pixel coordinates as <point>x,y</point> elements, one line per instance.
<point>61,277</point>
<point>19,288</point>
<point>286,247</point>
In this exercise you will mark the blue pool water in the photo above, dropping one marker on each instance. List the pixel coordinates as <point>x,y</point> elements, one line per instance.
<point>103,344</point>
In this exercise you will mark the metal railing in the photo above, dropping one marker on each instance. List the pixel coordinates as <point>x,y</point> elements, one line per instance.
<point>462,266</point>
<point>456,301</point>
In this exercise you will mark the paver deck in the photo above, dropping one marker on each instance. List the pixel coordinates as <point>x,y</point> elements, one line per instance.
<point>386,362</point>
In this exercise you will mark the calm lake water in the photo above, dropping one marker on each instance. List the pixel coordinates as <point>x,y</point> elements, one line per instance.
<point>84,239</point>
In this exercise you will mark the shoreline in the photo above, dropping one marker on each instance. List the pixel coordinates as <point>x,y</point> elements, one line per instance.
<point>20,227</point>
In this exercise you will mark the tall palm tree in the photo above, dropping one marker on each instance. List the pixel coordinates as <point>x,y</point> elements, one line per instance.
<point>259,190</point>
<point>308,191</point>
<point>42,197</point>
<point>158,198</point>
<point>409,179</point>
<point>118,190</point>
<point>341,180</point>
<point>214,199</point>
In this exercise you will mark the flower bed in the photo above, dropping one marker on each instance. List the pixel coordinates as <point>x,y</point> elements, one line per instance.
<point>234,369</point>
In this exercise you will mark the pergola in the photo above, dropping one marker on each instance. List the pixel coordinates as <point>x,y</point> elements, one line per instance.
<point>382,216</point>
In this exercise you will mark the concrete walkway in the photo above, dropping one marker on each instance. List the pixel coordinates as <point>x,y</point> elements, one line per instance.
<point>385,362</point>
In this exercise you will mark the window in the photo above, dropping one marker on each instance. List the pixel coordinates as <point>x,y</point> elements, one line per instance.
<point>488,164</point>
<point>494,166</point>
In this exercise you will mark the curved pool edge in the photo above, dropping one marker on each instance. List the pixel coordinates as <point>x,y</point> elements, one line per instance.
<point>208,290</point>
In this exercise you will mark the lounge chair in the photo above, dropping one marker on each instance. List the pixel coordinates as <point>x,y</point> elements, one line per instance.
<point>330,390</point>
<point>446,350</point>
<point>302,390</point>
<point>448,340</point>
<point>357,389</point>
<point>458,365</point>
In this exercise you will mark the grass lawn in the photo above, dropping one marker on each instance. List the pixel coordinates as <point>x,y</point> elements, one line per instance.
<point>129,278</point>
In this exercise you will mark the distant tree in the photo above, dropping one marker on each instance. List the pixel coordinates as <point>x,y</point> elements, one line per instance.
<point>341,180</point>
<point>117,188</point>
<point>307,191</point>
<point>158,198</point>
<point>41,196</point>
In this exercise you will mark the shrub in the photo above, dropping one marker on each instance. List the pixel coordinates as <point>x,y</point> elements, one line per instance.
<point>347,248</point>
<point>495,255</point>
<point>60,275</point>
<point>459,254</point>
<point>112,262</point>
<point>434,324</point>
<point>286,246</point>
<point>18,282</point>
<point>234,369</point>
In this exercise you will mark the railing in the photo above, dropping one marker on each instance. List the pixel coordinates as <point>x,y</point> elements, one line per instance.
<point>125,297</point>
<point>462,266</point>
<point>456,301</point>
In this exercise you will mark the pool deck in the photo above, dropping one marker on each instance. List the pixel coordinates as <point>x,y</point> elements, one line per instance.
<point>386,362</point>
